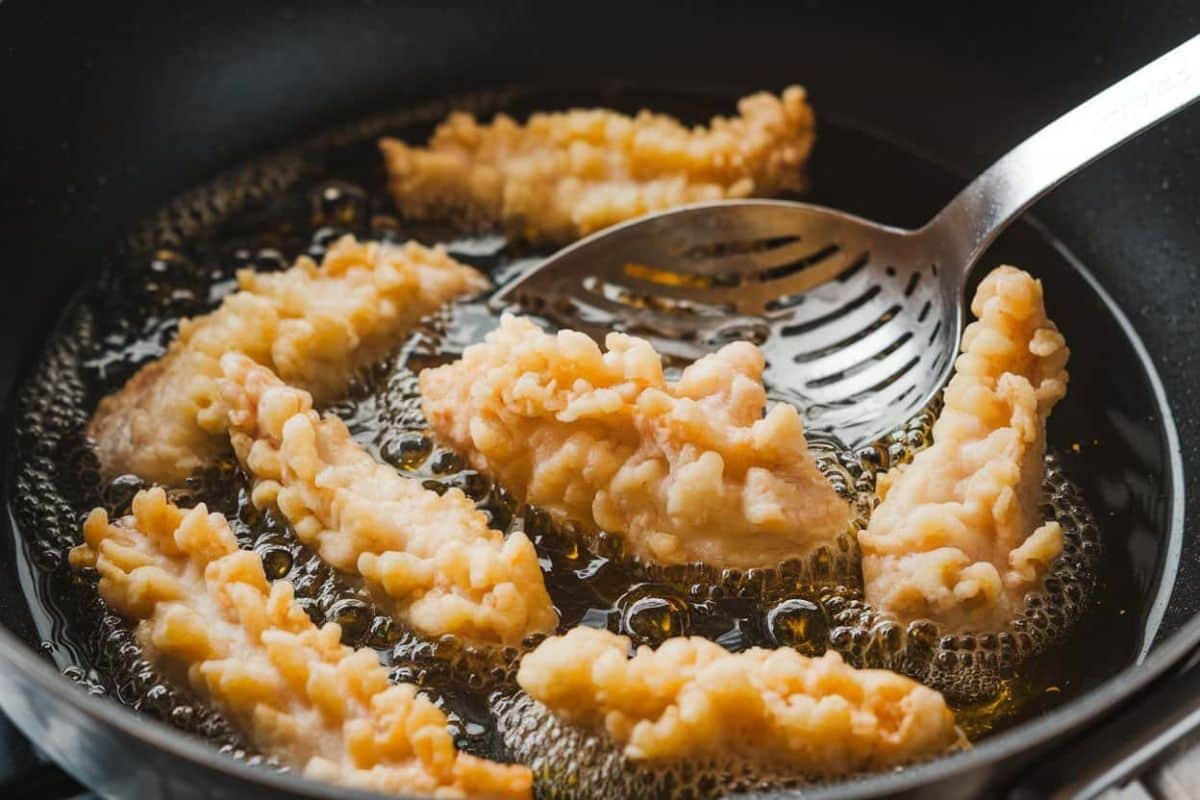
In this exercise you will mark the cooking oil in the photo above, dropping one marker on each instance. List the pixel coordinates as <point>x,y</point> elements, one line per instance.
<point>181,263</point>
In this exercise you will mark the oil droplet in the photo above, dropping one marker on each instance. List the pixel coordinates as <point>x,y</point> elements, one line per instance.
<point>800,624</point>
<point>354,616</point>
<point>277,561</point>
<point>651,614</point>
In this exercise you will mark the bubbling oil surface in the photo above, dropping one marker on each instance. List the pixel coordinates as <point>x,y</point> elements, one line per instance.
<point>182,263</point>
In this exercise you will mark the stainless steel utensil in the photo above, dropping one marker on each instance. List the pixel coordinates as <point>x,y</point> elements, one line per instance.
<point>859,322</point>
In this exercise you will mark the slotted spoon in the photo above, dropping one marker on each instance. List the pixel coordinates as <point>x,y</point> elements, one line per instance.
<point>859,322</point>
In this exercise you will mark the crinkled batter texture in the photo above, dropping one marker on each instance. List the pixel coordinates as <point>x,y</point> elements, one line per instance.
<point>562,175</point>
<point>692,699</point>
<point>313,325</point>
<point>958,536</point>
<point>433,555</point>
<point>206,611</point>
<point>690,472</point>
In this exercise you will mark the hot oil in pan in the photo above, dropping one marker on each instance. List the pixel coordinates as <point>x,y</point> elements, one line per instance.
<point>182,263</point>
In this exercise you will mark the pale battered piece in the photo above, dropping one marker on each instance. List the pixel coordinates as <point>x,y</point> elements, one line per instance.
<point>957,537</point>
<point>206,613</point>
<point>313,325</point>
<point>689,472</point>
<point>567,174</point>
<point>776,709</point>
<point>433,555</point>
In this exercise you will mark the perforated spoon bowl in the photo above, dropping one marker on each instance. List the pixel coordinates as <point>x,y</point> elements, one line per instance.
<point>859,322</point>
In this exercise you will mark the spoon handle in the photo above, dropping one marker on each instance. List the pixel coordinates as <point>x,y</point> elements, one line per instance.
<point>960,233</point>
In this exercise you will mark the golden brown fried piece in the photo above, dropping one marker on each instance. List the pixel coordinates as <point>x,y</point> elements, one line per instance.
<point>684,472</point>
<point>313,325</point>
<point>206,613</point>
<point>433,555</point>
<point>775,709</point>
<point>566,174</point>
<point>958,537</point>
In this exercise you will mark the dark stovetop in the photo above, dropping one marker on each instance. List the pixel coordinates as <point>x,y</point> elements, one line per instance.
<point>26,773</point>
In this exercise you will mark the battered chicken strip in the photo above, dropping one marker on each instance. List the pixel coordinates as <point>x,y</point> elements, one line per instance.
<point>776,709</point>
<point>433,555</point>
<point>566,174</point>
<point>313,325</point>
<point>687,472</point>
<point>958,537</point>
<point>206,613</point>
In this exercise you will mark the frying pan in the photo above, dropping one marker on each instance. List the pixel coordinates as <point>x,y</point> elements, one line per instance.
<point>111,110</point>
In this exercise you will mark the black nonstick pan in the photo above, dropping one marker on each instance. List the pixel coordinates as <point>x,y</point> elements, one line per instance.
<point>111,112</point>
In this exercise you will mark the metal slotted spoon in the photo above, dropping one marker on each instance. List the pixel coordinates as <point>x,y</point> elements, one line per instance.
<point>859,322</point>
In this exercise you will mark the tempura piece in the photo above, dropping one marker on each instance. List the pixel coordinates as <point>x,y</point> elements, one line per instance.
<point>432,554</point>
<point>207,614</point>
<point>686,472</point>
<point>776,709</point>
<point>958,537</point>
<point>566,174</point>
<point>313,325</point>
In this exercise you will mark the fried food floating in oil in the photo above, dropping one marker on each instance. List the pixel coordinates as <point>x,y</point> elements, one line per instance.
<point>958,537</point>
<point>566,174</point>
<point>313,325</point>
<point>206,613</point>
<point>690,472</point>
<point>433,555</point>
<point>693,700</point>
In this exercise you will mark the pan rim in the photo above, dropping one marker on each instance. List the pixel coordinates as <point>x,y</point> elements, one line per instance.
<point>1149,665</point>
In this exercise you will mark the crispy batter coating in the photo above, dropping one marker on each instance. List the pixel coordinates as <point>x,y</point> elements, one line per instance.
<point>685,472</point>
<point>313,325</point>
<point>566,174</point>
<point>433,555</point>
<point>692,699</point>
<point>206,612</point>
<point>958,537</point>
